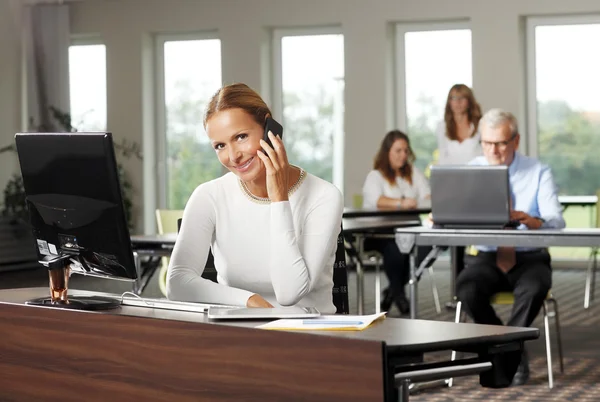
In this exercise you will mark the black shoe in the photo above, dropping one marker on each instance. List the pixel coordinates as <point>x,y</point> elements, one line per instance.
<point>522,374</point>
<point>386,300</point>
<point>402,304</point>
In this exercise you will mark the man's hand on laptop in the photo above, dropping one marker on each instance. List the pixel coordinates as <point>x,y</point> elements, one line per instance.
<point>257,300</point>
<point>526,219</point>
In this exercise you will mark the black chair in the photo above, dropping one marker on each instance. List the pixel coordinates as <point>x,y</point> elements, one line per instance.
<point>210,272</point>
<point>340,274</point>
<point>340,277</point>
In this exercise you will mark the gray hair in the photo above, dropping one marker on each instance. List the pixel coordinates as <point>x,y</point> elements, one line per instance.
<point>494,118</point>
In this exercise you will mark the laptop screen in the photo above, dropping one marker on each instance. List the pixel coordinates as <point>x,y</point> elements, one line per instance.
<point>467,195</point>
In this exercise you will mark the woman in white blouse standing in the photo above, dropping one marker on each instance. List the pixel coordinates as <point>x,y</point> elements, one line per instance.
<point>458,134</point>
<point>458,138</point>
<point>395,182</point>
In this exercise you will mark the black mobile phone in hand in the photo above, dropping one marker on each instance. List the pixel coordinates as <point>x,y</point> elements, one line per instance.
<point>273,126</point>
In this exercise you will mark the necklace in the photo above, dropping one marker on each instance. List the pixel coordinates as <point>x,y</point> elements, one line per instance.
<point>266,200</point>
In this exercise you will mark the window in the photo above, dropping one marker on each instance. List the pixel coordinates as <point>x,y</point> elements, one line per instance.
<point>564,107</point>
<point>563,124</point>
<point>429,60</point>
<point>189,70</point>
<point>87,85</point>
<point>309,92</point>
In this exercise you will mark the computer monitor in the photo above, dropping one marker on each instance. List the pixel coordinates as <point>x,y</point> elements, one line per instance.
<point>76,212</point>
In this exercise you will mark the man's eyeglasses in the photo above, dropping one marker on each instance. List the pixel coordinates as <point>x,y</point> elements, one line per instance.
<point>499,144</point>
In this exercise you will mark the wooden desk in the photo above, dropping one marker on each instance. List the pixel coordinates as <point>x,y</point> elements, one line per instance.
<point>136,353</point>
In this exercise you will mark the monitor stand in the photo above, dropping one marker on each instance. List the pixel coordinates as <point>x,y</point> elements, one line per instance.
<point>59,271</point>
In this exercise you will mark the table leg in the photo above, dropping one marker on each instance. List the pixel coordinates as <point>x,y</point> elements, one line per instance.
<point>457,261</point>
<point>412,283</point>
<point>360,276</point>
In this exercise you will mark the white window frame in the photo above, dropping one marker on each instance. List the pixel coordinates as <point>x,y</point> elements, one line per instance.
<point>532,24</point>
<point>402,28</point>
<point>160,107</point>
<point>277,89</point>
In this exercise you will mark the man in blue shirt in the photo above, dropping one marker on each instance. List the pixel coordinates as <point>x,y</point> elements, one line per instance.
<point>524,271</point>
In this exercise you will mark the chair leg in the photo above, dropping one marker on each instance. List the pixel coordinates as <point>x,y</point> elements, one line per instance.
<point>590,278</point>
<point>436,296</point>
<point>594,275</point>
<point>557,329</point>
<point>457,319</point>
<point>377,287</point>
<point>548,345</point>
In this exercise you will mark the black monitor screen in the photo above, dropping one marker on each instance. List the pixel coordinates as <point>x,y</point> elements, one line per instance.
<point>74,201</point>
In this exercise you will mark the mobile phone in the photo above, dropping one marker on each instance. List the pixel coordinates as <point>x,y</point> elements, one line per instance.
<point>273,126</point>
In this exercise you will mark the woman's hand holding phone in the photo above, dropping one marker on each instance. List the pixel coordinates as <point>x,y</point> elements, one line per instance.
<point>277,166</point>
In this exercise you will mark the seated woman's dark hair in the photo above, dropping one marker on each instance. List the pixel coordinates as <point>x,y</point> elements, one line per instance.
<point>382,159</point>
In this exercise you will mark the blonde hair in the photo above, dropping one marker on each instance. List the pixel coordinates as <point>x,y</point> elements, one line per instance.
<point>238,96</point>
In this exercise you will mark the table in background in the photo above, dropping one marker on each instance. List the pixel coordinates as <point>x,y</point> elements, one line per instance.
<point>141,353</point>
<point>578,200</point>
<point>154,246</point>
<point>356,230</point>
<point>409,237</point>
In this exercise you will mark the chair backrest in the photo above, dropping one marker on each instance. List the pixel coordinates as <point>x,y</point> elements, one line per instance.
<point>166,218</point>
<point>210,272</point>
<point>340,278</point>
<point>340,274</point>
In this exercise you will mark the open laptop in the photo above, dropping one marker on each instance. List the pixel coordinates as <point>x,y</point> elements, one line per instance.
<point>470,197</point>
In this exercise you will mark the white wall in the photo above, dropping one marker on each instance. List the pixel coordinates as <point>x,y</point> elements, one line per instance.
<point>10,84</point>
<point>243,25</point>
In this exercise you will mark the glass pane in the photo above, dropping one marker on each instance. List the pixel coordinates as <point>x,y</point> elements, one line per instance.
<point>434,60</point>
<point>192,76</point>
<point>568,116</point>
<point>568,84</point>
<point>87,87</point>
<point>313,106</point>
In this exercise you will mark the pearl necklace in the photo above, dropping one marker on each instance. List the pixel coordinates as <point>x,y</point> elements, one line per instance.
<point>266,200</point>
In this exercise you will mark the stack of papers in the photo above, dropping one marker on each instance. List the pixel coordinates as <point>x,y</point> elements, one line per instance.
<point>325,323</point>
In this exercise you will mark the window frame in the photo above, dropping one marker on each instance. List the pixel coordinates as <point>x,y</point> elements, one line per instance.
<point>401,29</point>
<point>160,107</point>
<point>531,92</point>
<point>277,87</point>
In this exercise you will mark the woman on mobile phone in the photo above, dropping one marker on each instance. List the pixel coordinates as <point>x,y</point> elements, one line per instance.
<point>272,227</point>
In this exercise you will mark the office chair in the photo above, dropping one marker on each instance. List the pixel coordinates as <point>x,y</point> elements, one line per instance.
<point>165,221</point>
<point>340,274</point>
<point>508,298</point>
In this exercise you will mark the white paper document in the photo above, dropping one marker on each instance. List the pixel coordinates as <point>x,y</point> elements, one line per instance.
<point>325,323</point>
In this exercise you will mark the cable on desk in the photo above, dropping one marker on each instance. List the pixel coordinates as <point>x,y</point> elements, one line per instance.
<point>141,298</point>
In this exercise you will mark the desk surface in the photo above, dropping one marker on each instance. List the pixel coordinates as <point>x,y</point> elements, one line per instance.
<point>399,335</point>
<point>350,225</point>
<point>570,237</point>
<point>375,212</point>
<point>581,200</point>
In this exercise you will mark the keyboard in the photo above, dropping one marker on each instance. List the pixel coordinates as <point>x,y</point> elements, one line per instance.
<point>169,304</point>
